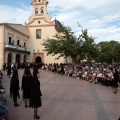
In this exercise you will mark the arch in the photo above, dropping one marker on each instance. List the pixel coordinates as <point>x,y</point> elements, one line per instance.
<point>9,58</point>
<point>24,58</point>
<point>38,59</point>
<point>17,60</point>
<point>36,11</point>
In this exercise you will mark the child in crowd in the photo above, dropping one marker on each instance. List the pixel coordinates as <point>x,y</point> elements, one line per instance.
<point>3,106</point>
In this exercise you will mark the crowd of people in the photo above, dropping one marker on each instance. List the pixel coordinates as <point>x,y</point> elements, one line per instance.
<point>1,77</point>
<point>3,101</point>
<point>106,75</point>
<point>30,87</point>
<point>7,66</point>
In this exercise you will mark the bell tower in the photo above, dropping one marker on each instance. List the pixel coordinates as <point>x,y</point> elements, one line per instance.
<point>41,28</point>
<point>39,11</point>
<point>39,7</point>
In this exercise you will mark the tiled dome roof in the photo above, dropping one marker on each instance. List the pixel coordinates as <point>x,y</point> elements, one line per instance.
<point>57,24</point>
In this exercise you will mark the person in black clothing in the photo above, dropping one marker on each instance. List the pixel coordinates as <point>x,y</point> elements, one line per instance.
<point>4,66</point>
<point>9,70</point>
<point>1,87</point>
<point>35,97</point>
<point>116,80</point>
<point>1,74</point>
<point>26,85</point>
<point>14,86</point>
<point>62,69</point>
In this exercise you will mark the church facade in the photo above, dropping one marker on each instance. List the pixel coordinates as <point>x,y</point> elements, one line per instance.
<point>23,43</point>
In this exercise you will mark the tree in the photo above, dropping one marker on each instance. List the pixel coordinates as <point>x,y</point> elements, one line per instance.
<point>113,50</point>
<point>66,44</point>
<point>109,51</point>
<point>62,43</point>
<point>88,47</point>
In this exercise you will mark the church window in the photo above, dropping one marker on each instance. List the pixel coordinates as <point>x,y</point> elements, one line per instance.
<point>36,11</point>
<point>24,44</point>
<point>18,42</point>
<point>38,33</point>
<point>13,42</point>
<point>39,22</point>
<point>38,0</point>
<point>42,10</point>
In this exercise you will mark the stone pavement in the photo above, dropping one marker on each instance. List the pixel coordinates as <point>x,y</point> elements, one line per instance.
<point>66,98</point>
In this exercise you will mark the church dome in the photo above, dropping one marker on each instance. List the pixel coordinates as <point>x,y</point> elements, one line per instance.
<point>57,25</point>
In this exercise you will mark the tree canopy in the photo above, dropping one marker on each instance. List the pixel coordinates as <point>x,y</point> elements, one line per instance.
<point>109,51</point>
<point>66,44</point>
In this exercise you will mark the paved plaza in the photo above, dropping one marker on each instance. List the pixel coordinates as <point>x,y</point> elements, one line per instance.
<point>66,98</point>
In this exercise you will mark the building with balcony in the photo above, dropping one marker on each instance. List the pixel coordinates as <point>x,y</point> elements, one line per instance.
<point>23,43</point>
<point>14,43</point>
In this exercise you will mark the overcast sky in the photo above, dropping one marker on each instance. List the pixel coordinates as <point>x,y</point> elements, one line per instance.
<point>100,17</point>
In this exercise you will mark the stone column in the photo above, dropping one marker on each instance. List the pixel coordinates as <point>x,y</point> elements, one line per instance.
<point>13,57</point>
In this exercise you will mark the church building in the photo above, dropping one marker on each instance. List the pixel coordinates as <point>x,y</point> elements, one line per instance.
<point>23,43</point>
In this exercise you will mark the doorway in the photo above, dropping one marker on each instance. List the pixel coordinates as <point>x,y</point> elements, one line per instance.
<point>18,57</point>
<point>9,60</point>
<point>38,59</point>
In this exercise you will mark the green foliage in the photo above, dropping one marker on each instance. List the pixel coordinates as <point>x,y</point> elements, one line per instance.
<point>88,46</point>
<point>65,44</point>
<point>109,52</point>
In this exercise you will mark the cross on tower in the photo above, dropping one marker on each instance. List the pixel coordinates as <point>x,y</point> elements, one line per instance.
<point>55,16</point>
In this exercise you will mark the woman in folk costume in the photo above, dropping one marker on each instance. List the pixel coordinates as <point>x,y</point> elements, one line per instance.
<point>26,85</point>
<point>35,98</point>
<point>116,80</point>
<point>14,86</point>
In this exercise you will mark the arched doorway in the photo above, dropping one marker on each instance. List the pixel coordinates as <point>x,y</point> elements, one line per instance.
<point>38,59</point>
<point>9,60</point>
<point>18,60</point>
<point>24,58</point>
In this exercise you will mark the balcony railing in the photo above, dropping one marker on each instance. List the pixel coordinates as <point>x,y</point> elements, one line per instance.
<point>17,48</point>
